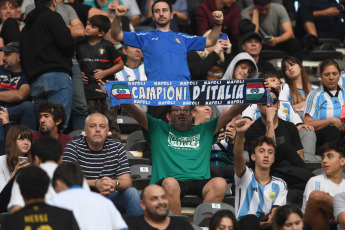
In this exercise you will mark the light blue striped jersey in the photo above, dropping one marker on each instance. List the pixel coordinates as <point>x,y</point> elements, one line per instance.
<point>251,197</point>
<point>285,94</point>
<point>129,74</point>
<point>321,183</point>
<point>286,112</point>
<point>320,105</point>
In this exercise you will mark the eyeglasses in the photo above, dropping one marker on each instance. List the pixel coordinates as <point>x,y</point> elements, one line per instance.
<point>178,111</point>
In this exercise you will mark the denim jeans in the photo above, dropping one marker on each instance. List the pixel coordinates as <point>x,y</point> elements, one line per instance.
<point>79,105</point>
<point>55,87</point>
<point>127,202</point>
<point>24,113</point>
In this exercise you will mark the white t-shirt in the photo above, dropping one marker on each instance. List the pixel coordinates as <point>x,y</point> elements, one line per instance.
<point>91,210</point>
<point>251,197</point>
<point>5,173</point>
<point>16,196</point>
<point>321,183</point>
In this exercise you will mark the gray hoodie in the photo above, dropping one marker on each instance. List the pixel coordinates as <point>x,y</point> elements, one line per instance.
<point>239,57</point>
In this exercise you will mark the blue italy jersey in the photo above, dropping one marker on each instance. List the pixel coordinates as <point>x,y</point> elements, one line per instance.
<point>165,53</point>
<point>251,197</point>
<point>320,105</point>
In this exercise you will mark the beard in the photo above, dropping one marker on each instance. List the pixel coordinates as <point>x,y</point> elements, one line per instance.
<point>158,215</point>
<point>163,24</point>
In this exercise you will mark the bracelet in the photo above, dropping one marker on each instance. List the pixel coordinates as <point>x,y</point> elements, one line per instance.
<point>96,182</point>
<point>218,24</point>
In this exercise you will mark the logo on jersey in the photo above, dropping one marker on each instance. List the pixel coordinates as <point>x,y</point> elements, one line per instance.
<point>121,92</point>
<point>272,195</point>
<point>177,40</point>
<point>285,111</point>
<point>101,51</point>
<point>191,143</point>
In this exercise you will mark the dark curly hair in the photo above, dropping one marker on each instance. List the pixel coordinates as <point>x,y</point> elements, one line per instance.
<point>57,110</point>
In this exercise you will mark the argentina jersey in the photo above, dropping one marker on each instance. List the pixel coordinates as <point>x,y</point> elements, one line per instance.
<point>251,197</point>
<point>320,105</point>
<point>129,74</point>
<point>286,112</point>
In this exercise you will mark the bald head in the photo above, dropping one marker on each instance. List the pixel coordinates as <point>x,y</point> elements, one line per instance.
<point>154,202</point>
<point>96,130</point>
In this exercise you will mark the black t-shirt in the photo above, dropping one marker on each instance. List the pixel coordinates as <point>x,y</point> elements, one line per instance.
<point>138,222</point>
<point>286,132</point>
<point>102,55</point>
<point>40,216</point>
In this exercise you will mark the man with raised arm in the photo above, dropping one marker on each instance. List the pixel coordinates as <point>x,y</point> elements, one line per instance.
<point>165,52</point>
<point>257,193</point>
<point>181,152</point>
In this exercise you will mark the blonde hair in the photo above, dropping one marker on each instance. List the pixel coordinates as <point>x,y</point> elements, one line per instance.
<point>205,53</point>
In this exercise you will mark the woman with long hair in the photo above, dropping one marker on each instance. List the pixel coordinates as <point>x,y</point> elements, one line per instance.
<point>223,220</point>
<point>18,143</point>
<point>297,85</point>
<point>288,217</point>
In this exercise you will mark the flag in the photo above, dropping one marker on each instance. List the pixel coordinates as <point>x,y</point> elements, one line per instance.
<point>121,92</point>
<point>255,91</point>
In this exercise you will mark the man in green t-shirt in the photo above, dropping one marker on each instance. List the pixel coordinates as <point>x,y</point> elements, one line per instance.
<point>181,152</point>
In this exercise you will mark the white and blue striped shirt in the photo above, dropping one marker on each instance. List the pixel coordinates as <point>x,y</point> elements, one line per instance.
<point>320,105</point>
<point>286,112</point>
<point>129,74</point>
<point>251,197</point>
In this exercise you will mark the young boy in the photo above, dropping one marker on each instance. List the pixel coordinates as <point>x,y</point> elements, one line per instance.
<point>98,60</point>
<point>319,192</point>
<point>257,193</point>
<point>287,113</point>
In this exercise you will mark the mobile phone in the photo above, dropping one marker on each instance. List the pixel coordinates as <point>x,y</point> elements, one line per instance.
<point>21,158</point>
<point>267,37</point>
<point>222,36</point>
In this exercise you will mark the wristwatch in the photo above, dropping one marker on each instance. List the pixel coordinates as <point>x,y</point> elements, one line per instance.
<point>117,185</point>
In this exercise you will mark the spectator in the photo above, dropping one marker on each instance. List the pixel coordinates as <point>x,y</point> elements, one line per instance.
<point>241,67</point>
<point>286,113</point>
<point>158,65</point>
<point>232,18</point>
<point>48,72</point>
<point>338,206</point>
<point>319,192</point>
<point>288,216</point>
<point>272,20</point>
<point>105,165</point>
<point>33,183</point>
<point>211,63</point>
<point>222,153</point>
<point>322,19</point>
<point>45,153</point>
<point>15,90</point>
<point>91,210</point>
<point>155,204</point>
<point>251,43</point>
<point>323,106</point>
<point>99,60</point>
<point>257,193</point>
<point>297,85</point>
<point>223,219</point>
<point>18,143</point>
<point>9,27</point>
<point>134,67</point>
<point>51,118</point>
<point>182,167</point>
<point>289,149</point>
<point>79,106</point>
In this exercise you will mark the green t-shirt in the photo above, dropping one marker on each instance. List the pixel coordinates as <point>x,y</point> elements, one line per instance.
<point>184,155</point>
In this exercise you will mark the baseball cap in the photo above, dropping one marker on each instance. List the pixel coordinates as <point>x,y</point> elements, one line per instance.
<point>11,47</point>
<point>247,31</point>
